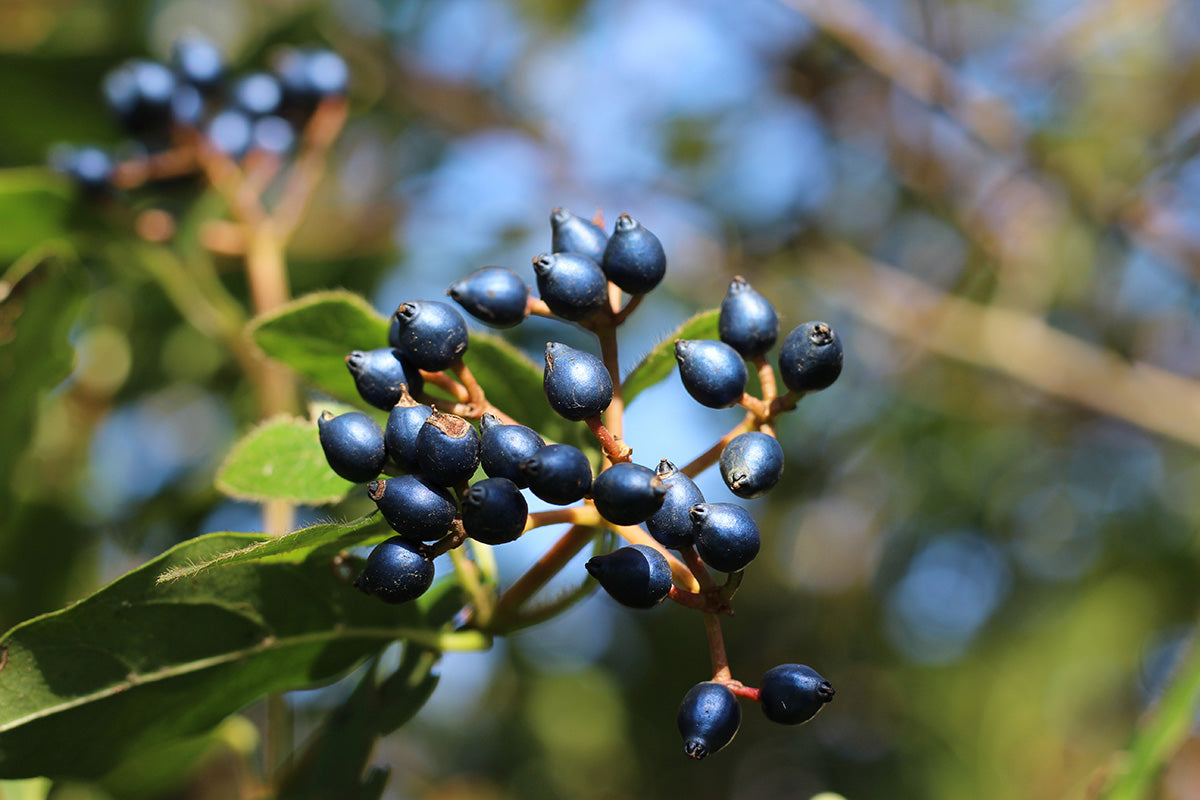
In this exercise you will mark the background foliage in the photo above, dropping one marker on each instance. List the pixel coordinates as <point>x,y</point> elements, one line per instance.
<point>987,534</point>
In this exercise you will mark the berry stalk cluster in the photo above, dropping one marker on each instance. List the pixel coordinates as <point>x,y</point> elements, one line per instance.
<point>434,442</point>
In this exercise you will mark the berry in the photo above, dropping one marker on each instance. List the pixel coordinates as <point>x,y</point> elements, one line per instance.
<point>493,295</point>
<point>671,525</point>
<point>414,506</point>
<point>258,94</point>
<point>353,445</point>
<point>139,92</point>
<point>708,719</point>
<point>273,135</point>
<point>494,511</point>
<point>430,334</point>
<point>810,358</point>
<point>187,106</point>
<point>793,693</point>
<point>396,572</point>
<point>504,447</point>
<point>400,436</point>
<point>572,285</point>
<point>634,259</point>
<point>628,494</point>
<point>230,133</point>
<point>726,535</point>
<point>89,167</point>
<point>712,372</point>
<point>309,76</point>
<point>558,473</point>
<point>197,62</point>
<point>752,464</point>
<point>447,449</point>
<point>381,376</point>
<point>748,322</point>
<point>637,576</point>
<point>577,384</point>
<point>574,234</point>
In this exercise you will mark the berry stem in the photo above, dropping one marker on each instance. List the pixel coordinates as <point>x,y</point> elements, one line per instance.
<point>576,515</point>
<point>758,408</point>
<point>173,163</point>
<point>713,454</point>
<point>537,307</point>
<point>507,609</point>
<point>680,574</point>
<point>322,129</point>
<point>716,648</point>
<point>454,539</point>
<point>688,599</point>
<point>785,403</point>
<point>697,568</point>
<point>446,384</point>
<point>615,450</point>
<point>766,379</point>
<point>614,415</point>
<point>467,574</point>
<point>629,308</point>
<point>475,396</point>
<point>742,690</point>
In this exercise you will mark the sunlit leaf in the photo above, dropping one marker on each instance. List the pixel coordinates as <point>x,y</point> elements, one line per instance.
<point>281,459</point>
<point>658,363</point>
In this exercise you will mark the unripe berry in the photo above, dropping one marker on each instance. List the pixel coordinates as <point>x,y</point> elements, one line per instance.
<point>494,511</point>
<point>708,719</point>
<point>353,445</point>
<point>430,334</point>
<point>634,259</point>
<point>637,576</point>
<point>748,322</point>
<point>414,506</point>
<point>382,374</point>
<point>628,494</point>
<point>396,572</point>
<point>558,473</point>
<point>671,525</point>
<point>572,285</point>
<point>793,693</point>
<point>752,464</point>
<point>400,435</point>
<point>810,358</point>
<point>577,384</point>
<point>712,372</point>
<point>727,536</point>
<point>504,447</point>
<point>447,449</point>
<point>493,295</point>
<point>574,234</point>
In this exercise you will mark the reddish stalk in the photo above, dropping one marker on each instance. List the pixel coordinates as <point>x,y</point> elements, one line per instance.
<point>615,450</point>
<point>537,576</point>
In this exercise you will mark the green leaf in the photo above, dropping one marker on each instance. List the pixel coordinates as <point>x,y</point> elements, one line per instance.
<point>313,334</point>
<point>512,382</point>
<point>34,204</point>
<point>658,363</point>
<point>141,663</point>
<point>281,459</point>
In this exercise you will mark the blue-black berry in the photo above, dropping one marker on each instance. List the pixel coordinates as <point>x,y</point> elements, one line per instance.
<point>230,133</point>
<point>198,62</point>
<point>570,233</point>
<point>447,449</point>
<point>748,322</point>
<point>752,464</point>
<point>709,718</point>
<point>89,167</point>
<point>400,435</point>
<point>628,494</point>
<point>493,295</point>
<point>430,334</point>
<point>577,384</point>
<point>637,576</point>
<point>494,511</point>
<point>381,375</point>
<point>671,525</point>
<point>139,92</point>
<point>572,285</point>
<point>558,473</point>
<point>308,77</point>
<point>353,445</point>
<point>504,448</point>
<point>810,358</point>
<point>396,572</point>
<point>274,135</point>
<point>257,94</point>
<point>713,373</point>
<point>415,507</point>
<point>793,693</point>
<point>727,537</point>
<point>634,259</point>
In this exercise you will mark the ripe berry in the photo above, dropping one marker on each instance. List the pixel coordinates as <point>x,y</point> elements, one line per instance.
<point>273,135</point>
<point>381,375</point>
<point>140,94</point>
<point>197,62</point>
<point>493,295</point>
<point>577,384</point>
<point>708,719</point>
<point>187,106</point>
<point>793,693</point>
<point>309,76</point>
<point>671,525</point>
<point>574,234</point>
<point>810,358</point>
<point>89,167</point>
<point>447,449</point>
<point>712,372</point>
<point>637,576</point>
<point>396,572</point>
<point>494,511</point>
<point>726,535</point>
<point>572,285</point>
<point>748,322</point>
<point>628,494</point>
<point>415,507</point>
<point>230,132</point>
<point>353,445</point>
<point>752,464</point>
<point>558,473</point>
<point>400,436</point>
<point>504,447</point>
<point>258,94</point>
<point>634,259</point>
<point>430,334</point>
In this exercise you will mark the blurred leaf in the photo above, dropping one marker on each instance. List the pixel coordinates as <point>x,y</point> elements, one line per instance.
<point>281,459</point>
<point>141,662</point>
<point>34,204</point>
<point>658,363</point>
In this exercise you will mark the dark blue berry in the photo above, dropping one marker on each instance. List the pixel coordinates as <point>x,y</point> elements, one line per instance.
<point>671,525</point>
<point>258,94</point>
<point>414,506</point>
<point>558,473</point>
<point>139,92</point>
<point>353,445</point>
<point>712,372</point>
<point>577,384</point>
<point>198,62</point>
<point>382,374</point>
<point>396,572</point>
<point>504,447</point>
<point>793,693</point>
<point>637,576</point>
<point>309,76</point>
<point>230,132</point>
<point>494,295</point>
<point>400,436</point>
<point>187,106</point>
<point>748,322</point>
<point>430,334</point>
<point>810,358</point>
<point>574,234</point>
<point>708,719</point>
<point>494,511</point>
<point>274,135</point>
<point>90,168</point>
<point>752,464</point>
<point>572,285</point>
<point>628,494</point>
<point>447,449</point>
<point>634,259</point>
<point>726,535</point>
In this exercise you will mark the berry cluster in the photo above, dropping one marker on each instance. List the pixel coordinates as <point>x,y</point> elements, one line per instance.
<point>431,451</point>
<point>192,108</point>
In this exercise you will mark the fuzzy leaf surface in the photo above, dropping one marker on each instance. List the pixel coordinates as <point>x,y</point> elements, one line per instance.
<point>281,459</point>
